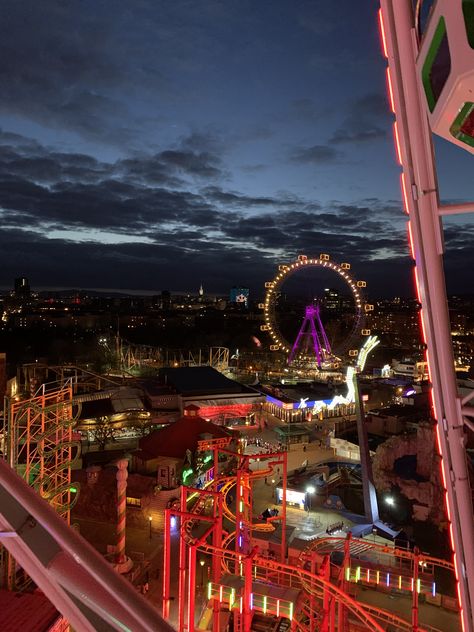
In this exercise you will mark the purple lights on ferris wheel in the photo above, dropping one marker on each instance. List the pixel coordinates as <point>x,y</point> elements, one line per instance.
<point>311,337</point>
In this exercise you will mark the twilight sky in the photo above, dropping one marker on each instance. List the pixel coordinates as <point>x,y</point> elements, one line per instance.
<point>155,144</point>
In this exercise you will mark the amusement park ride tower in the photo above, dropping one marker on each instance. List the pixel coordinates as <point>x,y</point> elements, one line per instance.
<point>312,337</point>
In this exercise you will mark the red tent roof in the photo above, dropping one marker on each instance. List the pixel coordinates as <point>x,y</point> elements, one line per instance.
<point>175,439</point>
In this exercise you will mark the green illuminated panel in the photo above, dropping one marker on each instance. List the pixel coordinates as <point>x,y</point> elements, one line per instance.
<point>437,65</point>
<point>468,12</point>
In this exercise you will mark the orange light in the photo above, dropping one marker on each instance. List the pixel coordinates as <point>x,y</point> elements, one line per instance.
<point>397,143</point>
<point>390,90</point>
<point>382,34</point>
<point>404,194</point>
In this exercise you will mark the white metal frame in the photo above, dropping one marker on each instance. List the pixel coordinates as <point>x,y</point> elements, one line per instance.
<point>85,588</point>
<point>421,199</point>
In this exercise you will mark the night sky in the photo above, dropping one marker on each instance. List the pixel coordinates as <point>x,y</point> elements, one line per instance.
<point>158,144</point>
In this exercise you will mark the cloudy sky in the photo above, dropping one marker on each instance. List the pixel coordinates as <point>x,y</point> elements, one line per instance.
<point>158,144</point>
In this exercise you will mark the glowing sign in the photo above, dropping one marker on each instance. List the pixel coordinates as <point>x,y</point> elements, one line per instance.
<point>292,496</point>
<point>302,403</point>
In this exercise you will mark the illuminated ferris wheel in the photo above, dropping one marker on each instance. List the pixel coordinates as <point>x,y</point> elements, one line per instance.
<point>312,341</point>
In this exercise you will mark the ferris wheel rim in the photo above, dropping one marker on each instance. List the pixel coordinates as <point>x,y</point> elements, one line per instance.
<point>287,270</point>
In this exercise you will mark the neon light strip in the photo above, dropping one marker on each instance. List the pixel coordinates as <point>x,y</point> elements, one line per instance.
<point>403,187</point>
<point>377,577</point>
<point>410,241</point>
<point>291,611</point>
<point>278,608</point>
<point>433,589</point>
<point>358,574</point>
<point>397,143</point>
<point>368,575</point>
<point>221,590</point>
<point>422,324</point>
<point>382,33</point>
<point>412,584</point>
<point>209,590</point>
<point>390,90</point>
<point>348,574</point>
<point>265,604</point>
<point>251,601</point>
<point>418,585</point>
<point>399,582</point>
<point>388,579</point>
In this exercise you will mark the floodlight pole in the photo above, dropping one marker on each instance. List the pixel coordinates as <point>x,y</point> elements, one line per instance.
<point>420,193</point>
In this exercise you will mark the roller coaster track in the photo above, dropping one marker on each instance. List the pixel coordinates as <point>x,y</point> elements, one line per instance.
<point>314,586</point>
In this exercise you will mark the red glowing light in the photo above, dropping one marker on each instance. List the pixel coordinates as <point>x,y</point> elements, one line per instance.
<point>410,241</point>
<point>403,187</point>
<point>422,326</point>
<point>382,34</point>
<point>390,91</point>
<point>397,142</point>
<point>417,286</point>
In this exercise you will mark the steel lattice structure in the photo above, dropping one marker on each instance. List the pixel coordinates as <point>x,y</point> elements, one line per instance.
<point>314,592</point>
<point>40,449</point>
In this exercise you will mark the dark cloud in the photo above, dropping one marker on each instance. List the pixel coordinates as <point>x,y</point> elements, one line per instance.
<point>317,154</point>
<point>368,120</point>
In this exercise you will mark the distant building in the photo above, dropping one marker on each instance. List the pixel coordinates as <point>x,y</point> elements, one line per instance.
<point>221,400</point>
<point>166,299</point>
<point>240,295</point>
<point>331,299</point>
<point>22,287</point>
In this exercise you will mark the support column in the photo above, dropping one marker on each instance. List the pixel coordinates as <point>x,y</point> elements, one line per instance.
<point>371,508</point>
<point>122,475</point>
<point>248,596</point>
<point>217,557</point>
<point>191,587</point>
<point>414,608</point>
<point>182,562</point>
<point>166,564</point>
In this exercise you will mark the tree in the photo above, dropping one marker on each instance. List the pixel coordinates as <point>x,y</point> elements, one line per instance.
<point>103,431</point>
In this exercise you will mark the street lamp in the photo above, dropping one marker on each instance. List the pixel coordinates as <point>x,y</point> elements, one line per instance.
<point>202,562</point>
<point>310,491</point>
<point>149,520</point>
<point>390,500</point>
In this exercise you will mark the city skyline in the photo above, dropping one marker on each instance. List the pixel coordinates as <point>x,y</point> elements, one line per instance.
<point>159,145</point>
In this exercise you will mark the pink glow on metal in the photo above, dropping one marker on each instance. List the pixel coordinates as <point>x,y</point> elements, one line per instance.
<point>397,143</point>
<point>382,34</point>
<point>403,186</point>
<point>390,90</point>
